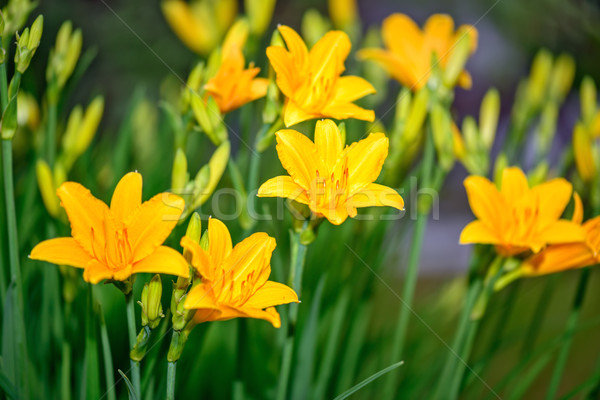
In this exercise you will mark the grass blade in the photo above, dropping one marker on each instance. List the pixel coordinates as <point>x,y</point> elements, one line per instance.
<point>130,390</point>
<point>370,379</point>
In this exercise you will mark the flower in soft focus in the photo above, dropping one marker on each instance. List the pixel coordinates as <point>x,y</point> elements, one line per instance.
<point>517,218</point>
<point>311,81</point>
<point>563,256</point>
<point>235,280</point>
<point>332,180</point>
<point>233,86</point>
<point>116,242</point>
<point>408,57</point>
<point>200,24</point>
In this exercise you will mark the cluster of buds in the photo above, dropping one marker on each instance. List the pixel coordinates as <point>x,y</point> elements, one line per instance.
<point>13,17</point>
<point>474,147</point>
<point>152,314</point>
<point>586,133</point>
<point>27,43</point>
<point>62,60</point>
<point>181,317</point>
<point>198,190</point>
<point>79,132</point>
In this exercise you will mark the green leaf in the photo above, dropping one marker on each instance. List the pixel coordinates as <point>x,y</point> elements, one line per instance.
<point>91,375</point>
<point>370,379</point>
<point>8,340</point>
<point>130,389</point>
<point>9,120</point>
<point>7,386</point>
<point>306,348</point>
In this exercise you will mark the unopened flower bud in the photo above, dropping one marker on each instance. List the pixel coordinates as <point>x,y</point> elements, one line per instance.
<point>151,303</point>
<point>539,78</point>
<point>441,126</point>
<point>47,187</point>
<point>416,117</point>
<point>488,117</point>
<point>216,167</point>
<point>181,315</point>
<point>179,175</point>
<point>457,60</point>
<point>588,98</point>
<point>259,14</point>
<point>562,77</point>
<point>584,158</point>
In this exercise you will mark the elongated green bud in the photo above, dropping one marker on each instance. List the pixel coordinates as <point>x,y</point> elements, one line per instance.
<point>488,117</point>
<point>47,187</point>
<point>180,175</point>
<point>314,26</point>
<point>458,59</point>
<point>151,302</point>
<point>441,124</point>
<point>216,167</point>
<point>588,98</point>
<point>562,77</point>
<point>416,117</point>
<point>539,78</point>
<point>259,14</point>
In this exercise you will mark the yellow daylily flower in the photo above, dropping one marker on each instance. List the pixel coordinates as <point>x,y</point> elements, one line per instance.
<point>332,180</point>
<point>116,242</point>
<point>311,81</point>
<point>235,280</point>
<point>518,218</point>
<point>564,256</point>
<point>201,24</point>
<point>233,86</point>
<point>409,49</point>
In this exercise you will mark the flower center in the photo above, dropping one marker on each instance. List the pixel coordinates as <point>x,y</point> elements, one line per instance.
<point>328,191</point>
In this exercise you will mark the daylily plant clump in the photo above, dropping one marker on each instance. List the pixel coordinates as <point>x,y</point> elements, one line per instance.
<point>277,136</point>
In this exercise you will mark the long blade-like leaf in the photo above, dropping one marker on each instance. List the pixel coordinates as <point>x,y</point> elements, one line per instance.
<point>370,379</point>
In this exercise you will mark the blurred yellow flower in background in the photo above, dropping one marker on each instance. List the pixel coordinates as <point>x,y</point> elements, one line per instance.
<point>116,242</point>
<point>200,24</point>
<point>235,280</point>
<point>408,57</point>
<point>233,86</point>
<point>311,81</point>
<point>518,218</point>
<point>332,180</point>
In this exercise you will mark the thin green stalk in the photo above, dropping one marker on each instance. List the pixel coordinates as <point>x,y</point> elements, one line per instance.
<point>65,382</point>
<point>457,343</point>
<point>135,366</point>
<point>539,315</point>
<point>412,272</point>
<point>563,355</point>
<point>171,370</point>
<point>3,87</point>
<point>15,269</point>
<point>51,134</point>
<point>107,356</point>
<point>298,257</point>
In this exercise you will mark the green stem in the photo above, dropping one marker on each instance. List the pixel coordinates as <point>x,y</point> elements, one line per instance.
<point>298,257</point>
<point>412,272</point>
<point>3,87</point>
<point>171,369</point>
<point>539,315</point>
<point>15,269</point>
<point>457,343</point>
<point>563,355</point>
<point>66,360</point>
<point>107,355</point>
<point>135,366</point>
<point>51,134</point>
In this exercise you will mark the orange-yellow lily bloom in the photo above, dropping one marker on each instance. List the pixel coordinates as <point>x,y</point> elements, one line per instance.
<point>311,81</point>
<point>560,257</point>
<point>517,218</point>
<point>235,280</point>
<point>409,49</point>
<point>116,242</point>
<point>233,86</point>
<point>332,180</point>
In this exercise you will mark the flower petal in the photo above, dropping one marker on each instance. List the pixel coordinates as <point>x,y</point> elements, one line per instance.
<point>191,32</point>
<point>251,256</point>
<point>295,45</point>
<point>402,36</point>
<point>284,68</point>
<point>365,160</point>
<point>377,195</point>
<point>272,294</point>
<point>298,156</point>
<point>578,209</point>
<point>201,296</point>
<point>153,223</point>
<point>219,241</point>
<point>562,231</point>
<point>270,314</point>
<point>258,88</point>
<point>283,186</point>
<point>439,31</point>
<point>553,197</point>
<point>127,196</point>
<point>348,110</point>
<point>327,56</point>
<point>328,142</point>
<point>514,184</point>
<point>559,258</point>
<point>200,259</point>
<point>86,214</point>
<point>294,114</point>
<point>335,215</point>
<point>164,260</point>
<point>484,199</point>
<point>350,88</point>
<point>394,66</point>
<point>478,232</point>
<point>62,251</point>
<point>95,272</point>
